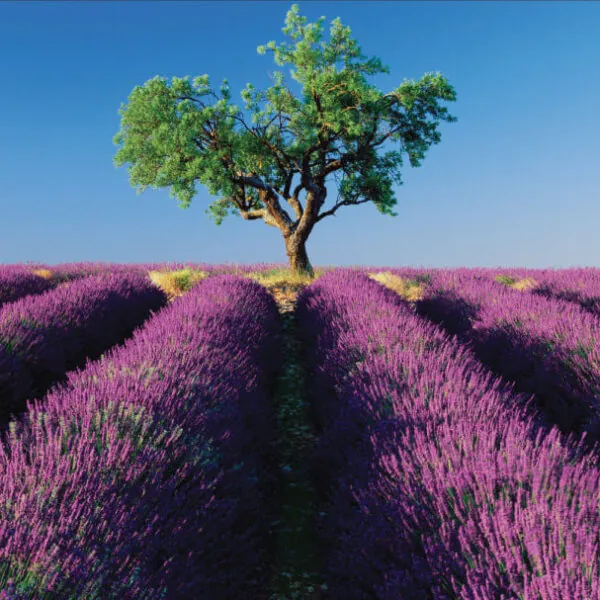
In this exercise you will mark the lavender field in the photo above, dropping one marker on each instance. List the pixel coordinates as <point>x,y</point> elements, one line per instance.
<point>232,432</point>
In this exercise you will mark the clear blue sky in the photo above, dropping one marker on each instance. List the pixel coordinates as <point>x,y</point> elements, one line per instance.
<point>511,183</point>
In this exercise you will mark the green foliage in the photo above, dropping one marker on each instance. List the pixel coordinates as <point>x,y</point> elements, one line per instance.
<point>186,278</point>
<point>174,283</point>
<point>505,279</point>
<point>423,278</point>
<point>172,137</point>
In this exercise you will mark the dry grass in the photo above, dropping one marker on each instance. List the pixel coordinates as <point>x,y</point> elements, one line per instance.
<point>44,273</point>
<point>524,284</point>
<point>407,288</point>
<point>284,278</point>
<point>282,283</point>
<point>517,284</point>
<point>176,283</point>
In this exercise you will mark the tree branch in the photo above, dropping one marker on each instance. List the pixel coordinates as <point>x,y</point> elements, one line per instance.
<point>288,185</point>
<point>268,197</point>
<point>294,202</point>
<point>332,211</point>
<point>261,213</point>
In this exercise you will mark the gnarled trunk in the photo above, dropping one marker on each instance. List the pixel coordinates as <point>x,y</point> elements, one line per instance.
<point>296,253</point>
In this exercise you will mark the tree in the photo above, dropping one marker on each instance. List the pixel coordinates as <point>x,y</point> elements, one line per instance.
<point>173,138</point>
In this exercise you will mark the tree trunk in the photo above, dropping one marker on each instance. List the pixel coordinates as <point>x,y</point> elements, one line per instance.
<point>296,253</point>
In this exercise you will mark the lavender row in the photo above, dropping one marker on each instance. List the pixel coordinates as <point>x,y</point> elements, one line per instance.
<point>577,285</point>
<point>146,476</point>
<point>548,347</point>
<point>16,283</point>
<point>436,478</point>
<point>68,271</point>
<point>581,286</point>
<point>65,271</point>
<point>44,336</point>
<point>20,280</point>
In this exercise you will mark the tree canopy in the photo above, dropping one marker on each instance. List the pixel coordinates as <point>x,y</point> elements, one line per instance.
<point>174,138</point>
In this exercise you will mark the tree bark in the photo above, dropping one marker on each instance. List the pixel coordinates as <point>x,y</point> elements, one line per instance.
<point>297,256</point>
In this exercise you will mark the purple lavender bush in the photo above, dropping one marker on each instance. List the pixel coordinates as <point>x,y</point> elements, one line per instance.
<point>441,481</point>
<point>145,476</point>
<point>43,336</point>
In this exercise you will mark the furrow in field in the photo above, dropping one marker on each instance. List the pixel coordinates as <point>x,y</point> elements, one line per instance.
<point>297,562</point>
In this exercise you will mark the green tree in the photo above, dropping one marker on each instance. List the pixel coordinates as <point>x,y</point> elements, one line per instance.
<point>172,137</point>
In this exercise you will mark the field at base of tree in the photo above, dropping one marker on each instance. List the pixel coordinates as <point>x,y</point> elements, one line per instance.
<point>249,433</point>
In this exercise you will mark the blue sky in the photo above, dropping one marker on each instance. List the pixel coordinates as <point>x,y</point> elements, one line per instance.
<point>510,184</point>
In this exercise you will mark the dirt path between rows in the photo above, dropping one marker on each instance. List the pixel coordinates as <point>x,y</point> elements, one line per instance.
<point>297,562</point>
